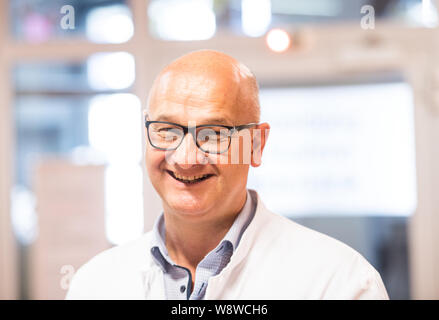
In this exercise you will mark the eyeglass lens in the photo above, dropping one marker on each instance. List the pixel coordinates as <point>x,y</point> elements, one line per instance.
<point>212,139</point>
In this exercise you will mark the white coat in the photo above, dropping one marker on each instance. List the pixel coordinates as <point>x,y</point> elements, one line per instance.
<point>276,259</point>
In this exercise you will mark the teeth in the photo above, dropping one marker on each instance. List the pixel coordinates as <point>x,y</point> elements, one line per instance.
<point>189,178</point>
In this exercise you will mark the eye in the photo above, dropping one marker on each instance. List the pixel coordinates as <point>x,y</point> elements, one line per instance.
<point>168,133</point>
<point>213,135</point>
<point>165,129</point>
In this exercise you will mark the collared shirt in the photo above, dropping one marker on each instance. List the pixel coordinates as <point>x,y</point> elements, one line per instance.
<point>178,280</point>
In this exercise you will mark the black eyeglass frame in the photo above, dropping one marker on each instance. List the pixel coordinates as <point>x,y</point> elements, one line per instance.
<point>192,130</point>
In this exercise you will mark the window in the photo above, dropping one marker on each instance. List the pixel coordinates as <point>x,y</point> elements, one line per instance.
<point>339,150</point>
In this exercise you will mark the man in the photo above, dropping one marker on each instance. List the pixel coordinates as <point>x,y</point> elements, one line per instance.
<point>215,239</point>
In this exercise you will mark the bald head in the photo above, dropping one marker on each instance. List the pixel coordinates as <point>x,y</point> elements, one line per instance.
<point>208,76</point>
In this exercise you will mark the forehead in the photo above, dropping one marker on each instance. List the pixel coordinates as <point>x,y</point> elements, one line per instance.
<point>195,97</point>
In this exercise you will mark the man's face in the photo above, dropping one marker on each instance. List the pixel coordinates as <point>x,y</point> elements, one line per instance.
<point>189,99</point>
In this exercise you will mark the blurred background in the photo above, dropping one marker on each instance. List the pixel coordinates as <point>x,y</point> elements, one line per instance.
<point>350,88</point>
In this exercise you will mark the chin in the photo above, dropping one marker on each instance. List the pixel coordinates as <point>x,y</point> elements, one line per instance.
<point>189,205</point>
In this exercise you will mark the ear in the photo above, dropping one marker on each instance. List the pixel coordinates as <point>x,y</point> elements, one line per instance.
<point>260,136</point>
<point>145,115</point>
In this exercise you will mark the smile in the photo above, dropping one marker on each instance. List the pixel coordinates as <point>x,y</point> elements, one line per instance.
<point>189,179</point>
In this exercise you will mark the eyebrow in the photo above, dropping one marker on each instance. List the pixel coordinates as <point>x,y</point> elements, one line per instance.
<point>220,120</point>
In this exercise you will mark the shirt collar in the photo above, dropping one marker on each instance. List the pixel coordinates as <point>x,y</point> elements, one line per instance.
<point>241,222</point>
<point>233,235</point>
<point>158,247</point>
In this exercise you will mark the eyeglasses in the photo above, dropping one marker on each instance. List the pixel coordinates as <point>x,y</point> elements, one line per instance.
<point>214,139</point>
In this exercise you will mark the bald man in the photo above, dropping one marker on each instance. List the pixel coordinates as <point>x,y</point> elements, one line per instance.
<point>215,239</point>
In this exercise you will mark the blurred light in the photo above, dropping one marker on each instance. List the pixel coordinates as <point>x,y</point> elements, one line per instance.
<point>322,8</point>
<point>111,71</point>
<point>255,17</point>
<point>86,155</point>
<point>424,14</point>
<point>115,131</point>
<point>182,20</point>
<point>123,202</point>
<point>111,24</point>
<point>429,14</point>
<point>23,215</point>
<point>37,28</point>
<point>278,40</point>
<point>114,127</point>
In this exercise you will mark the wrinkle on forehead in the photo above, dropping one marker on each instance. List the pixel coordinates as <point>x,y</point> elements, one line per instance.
<point>188,87</point>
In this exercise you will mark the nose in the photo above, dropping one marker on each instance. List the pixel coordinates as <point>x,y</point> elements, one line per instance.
<point>187,154</point>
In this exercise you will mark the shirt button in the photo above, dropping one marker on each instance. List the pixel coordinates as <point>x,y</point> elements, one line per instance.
<point>182,289</point>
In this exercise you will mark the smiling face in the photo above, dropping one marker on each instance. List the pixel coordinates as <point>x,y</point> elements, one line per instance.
<point>200,88</point>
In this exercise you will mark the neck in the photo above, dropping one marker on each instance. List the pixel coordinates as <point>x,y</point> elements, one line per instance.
<point>188,241</point>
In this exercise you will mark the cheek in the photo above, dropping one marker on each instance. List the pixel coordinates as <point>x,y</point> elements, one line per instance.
<point>234,175</point>
<point>153,160</point>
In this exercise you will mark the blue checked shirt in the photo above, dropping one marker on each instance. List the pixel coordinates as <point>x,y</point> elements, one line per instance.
<point>178,279</point>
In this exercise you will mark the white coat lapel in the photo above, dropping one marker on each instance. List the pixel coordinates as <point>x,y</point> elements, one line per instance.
<point>153,283</point>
